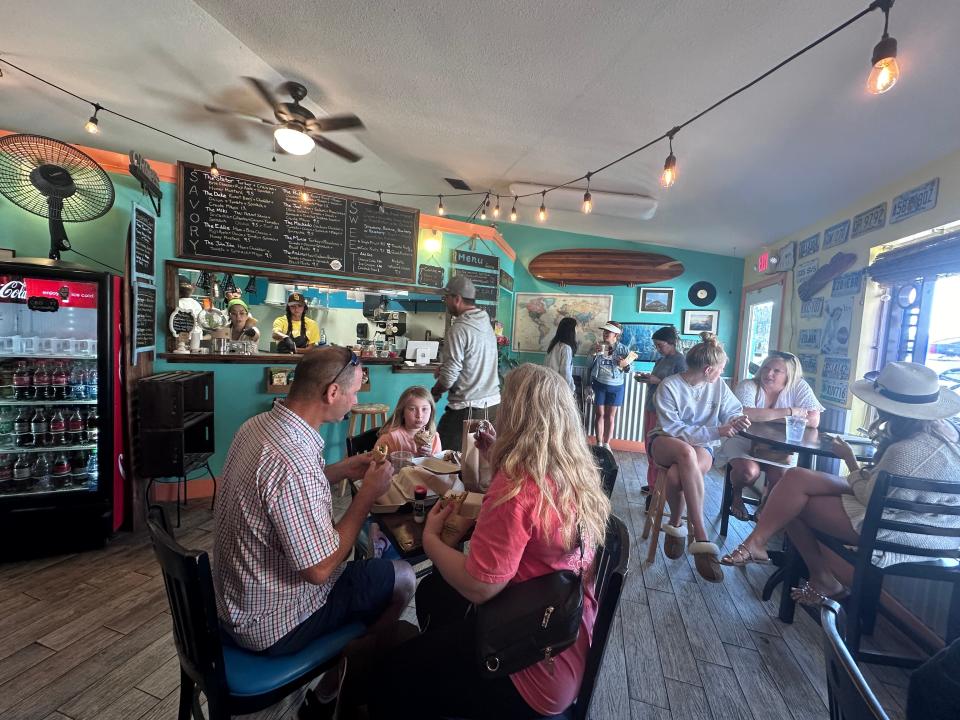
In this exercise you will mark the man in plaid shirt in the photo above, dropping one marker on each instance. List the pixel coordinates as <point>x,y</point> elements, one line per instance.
<point>279,558</point>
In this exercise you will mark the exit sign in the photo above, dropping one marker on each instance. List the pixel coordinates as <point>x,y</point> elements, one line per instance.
<point>763,262</point>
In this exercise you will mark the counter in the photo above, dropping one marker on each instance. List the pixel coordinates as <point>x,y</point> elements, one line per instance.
<point>399,365</point>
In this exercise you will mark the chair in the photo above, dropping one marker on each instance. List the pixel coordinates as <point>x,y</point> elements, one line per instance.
<point>748,499</point>
<point>363,442</point>
<point>848,695</point>
<point>362,412</point>
<point>654,519</point>
<point>608,468</point>
<point>612,566</point>
<point>943,565</point>
<point>235,681</point>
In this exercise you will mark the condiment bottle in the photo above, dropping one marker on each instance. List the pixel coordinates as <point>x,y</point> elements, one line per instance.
<point>419,504</point>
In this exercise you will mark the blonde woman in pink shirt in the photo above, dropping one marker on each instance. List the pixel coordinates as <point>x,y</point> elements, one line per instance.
<point>545,485</point>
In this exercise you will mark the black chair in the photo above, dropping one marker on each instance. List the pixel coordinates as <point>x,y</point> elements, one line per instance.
<point>608,468</point>
<point>363,442</point>
<point>750,497</point>
<point>943,565</point>
<point>848,695</point>
<point>612,566</point>
<point>235,681</point>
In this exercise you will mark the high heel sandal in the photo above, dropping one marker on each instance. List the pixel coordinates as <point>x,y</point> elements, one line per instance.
<point>807,594</point>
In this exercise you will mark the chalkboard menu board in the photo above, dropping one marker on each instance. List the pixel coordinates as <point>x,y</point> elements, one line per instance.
<point>477,277</point>
<point>143,232</point>
<point>257,221</point>
<point>144,319</point>
<point>430,275</point>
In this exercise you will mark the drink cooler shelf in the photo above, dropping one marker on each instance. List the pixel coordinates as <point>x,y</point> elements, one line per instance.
<point>66,401</point>
<point>53,491</point>
<point>47,448</point>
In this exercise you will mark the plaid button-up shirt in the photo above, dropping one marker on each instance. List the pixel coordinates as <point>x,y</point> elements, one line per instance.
<point>273,518</point>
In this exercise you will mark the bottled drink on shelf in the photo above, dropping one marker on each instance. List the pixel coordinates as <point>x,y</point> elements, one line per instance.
<point>90,380</point>
<point>75,427</point>
<point>23,381</point>
<point>41,382</point>
<point>93,470</point>
<point>39,426</point>
<point>6,473</point>
<point>58,382</point>
<point>93,426</point>
<point>6,381</point>
<point>21,473</point>
<point>78,467</point>
<point>40,472</point>
<point>60,473</point>
<point>75,383</point>
<point>7,416</point>
<point>22,437</point>
<point>58,428</point>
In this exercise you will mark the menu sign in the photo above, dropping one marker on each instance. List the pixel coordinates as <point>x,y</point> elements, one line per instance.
<point>143,231</point>
<point>144,319</point>
<point>477,277</point>
<point>486,293</point>
<point>255,221</point>
<point>472,259</point>
<point>430,275</point>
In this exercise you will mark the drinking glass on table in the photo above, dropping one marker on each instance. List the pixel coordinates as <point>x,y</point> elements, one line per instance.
<point>400,459</point>
<point>795,427</point>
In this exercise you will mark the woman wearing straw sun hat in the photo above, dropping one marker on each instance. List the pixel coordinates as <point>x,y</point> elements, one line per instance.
<point>917,435</point>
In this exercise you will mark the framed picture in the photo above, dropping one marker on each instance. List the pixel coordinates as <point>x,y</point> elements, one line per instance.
<point>698,321</point>
<point>639,338</point>
<point>536,316</point>
<point>656,300</point>
<point>6,254</point>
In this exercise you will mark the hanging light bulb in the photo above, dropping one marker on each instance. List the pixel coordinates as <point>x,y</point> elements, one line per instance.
<point>440,210</point>
<point>542,215</point>
<point>251,287</point>
<point>92,125</point>
<point>484,206</point>
<point>380,207</point>
<point>669,175</point>
<point>214,170</point>
<point>293,138</point>
<point>513,210</point>
<point>587,198</point>
<point>496,208</point>
<point>885,71</point>
<point>304,195</point>
<point>432,244</point>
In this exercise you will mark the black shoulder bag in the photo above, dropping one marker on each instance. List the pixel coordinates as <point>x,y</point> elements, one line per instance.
<point>530,621</point>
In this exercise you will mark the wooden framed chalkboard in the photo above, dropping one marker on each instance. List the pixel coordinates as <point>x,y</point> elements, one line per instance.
<point>430,275</point>
<point>143,242</point>
<point>144,333</point>
<point>248,220</point>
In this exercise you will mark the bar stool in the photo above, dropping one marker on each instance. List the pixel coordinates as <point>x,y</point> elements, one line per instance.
<point>375,413</point>
<point>655,515</point>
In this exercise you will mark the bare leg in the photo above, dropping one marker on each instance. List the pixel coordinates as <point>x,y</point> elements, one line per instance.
<point>743,472</point>
<point>599,412</point>
<point>788,500</point>
<point>806,544</point>
<point>690,464</point>
<point>674,495</point>
<point>404,586</point>
<point>609,420</point>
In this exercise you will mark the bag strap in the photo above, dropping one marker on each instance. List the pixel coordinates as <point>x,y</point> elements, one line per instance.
<point>580,543</point>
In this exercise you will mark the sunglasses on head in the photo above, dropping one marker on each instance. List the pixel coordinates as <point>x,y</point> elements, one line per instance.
<point>352,361</point>
<point>783,355</point>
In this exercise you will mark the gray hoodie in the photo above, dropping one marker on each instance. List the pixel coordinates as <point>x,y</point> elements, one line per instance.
<point>469,367</point>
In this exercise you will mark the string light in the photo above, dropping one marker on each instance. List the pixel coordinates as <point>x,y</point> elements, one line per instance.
<point>440,210</point>
<point>588,198</point>
<point>885,71</point>
<point>669,175</point>
<point>304,195</point>
<point>496,208</point>
<point>883,76</point>
<point>484,206</point>
<point>513,210</point>
<point>432,244</point>
<point>214,170</point>
<point>92,125</point>
<point>542,215</point>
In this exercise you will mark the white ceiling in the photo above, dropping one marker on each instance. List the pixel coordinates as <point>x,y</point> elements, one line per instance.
<point>496,92</point>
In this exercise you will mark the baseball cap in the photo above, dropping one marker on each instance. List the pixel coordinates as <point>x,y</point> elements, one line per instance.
<point>296,297</point>
<point>461,285</point>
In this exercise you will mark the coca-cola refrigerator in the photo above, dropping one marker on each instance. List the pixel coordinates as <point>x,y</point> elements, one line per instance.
<point>59,407</point>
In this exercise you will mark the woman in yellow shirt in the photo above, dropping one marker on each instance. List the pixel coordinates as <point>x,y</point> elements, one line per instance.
<point>302,330</point>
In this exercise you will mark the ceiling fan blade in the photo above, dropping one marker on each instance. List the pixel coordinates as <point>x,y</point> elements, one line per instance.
<point>237,113</point>
<point>335,122</point>
<point>334,148</point>
<point>263,91</point>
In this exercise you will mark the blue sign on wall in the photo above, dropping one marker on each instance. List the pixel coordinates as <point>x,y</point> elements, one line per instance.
<point>836,234</point>
<point>918,200</point>
<point>847,284</point>
<point>869,220</point>
<point>810,246</point>
<point>812,308</point>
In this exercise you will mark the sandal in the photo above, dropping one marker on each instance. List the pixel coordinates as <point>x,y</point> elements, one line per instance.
<point>807,594</point>
<point>705,558</point>
<point>675,540</point>
<point>740,511</point>
<point>741,556</point>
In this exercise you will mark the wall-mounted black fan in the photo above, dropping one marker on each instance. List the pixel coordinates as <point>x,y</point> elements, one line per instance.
<point>53,180</point>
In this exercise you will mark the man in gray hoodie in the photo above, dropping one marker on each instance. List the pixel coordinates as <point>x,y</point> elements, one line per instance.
<point>469,367</point>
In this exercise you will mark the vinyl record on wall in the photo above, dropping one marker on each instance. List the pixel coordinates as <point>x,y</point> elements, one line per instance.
<point>702,293</point>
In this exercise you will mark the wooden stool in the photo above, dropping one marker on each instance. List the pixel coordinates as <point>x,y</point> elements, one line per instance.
<point>375,412</point>
<point>655,515</point>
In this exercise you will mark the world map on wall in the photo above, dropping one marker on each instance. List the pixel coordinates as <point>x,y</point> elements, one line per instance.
<point>536,316</point>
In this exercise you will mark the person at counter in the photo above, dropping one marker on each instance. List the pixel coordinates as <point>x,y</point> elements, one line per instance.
<point>412,426</point>
<point>243,326</point>
<point>469,366</point>
<point>296,326</point>
<point>280,567</point>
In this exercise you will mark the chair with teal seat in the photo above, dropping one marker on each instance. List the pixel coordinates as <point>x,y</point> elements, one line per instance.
<point>235,681</point>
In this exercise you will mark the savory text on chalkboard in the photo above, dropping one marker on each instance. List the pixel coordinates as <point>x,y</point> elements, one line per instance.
<point>255,221</point>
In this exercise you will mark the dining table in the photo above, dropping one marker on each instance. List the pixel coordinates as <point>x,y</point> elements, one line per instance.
<point>813,443</point>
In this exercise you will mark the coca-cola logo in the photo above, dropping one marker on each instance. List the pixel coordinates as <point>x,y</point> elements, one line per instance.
<point>13,290</point>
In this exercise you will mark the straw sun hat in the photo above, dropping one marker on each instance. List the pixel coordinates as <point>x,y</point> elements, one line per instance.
<point>909,390</point>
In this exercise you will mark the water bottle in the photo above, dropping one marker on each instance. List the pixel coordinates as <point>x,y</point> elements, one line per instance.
<point>90,380</point>
<point>6,426</point>
<point>323,336</point>
<point>93,471</point>
<point>76,386</point>
<point>40,472</point>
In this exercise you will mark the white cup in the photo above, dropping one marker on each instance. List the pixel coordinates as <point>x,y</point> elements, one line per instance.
<point>65,346</point>
<point>48,345</point>
<point>28,345</point>
<point>7,345</point>
<point>795,427</point>
<point>81,347</point>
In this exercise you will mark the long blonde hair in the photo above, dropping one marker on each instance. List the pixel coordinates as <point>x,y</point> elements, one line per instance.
<point>539,440</point>
<point>707,353</point>
<point>790,361</point>
<point>396,419</point>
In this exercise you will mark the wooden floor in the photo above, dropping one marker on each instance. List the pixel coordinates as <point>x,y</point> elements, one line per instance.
<point>88,636</point>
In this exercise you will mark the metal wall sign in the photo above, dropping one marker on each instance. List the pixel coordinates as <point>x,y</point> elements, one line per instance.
<point>847,284</point>
<point>812,308</point>
<point>836,234</point>
<point>918,200</point>
<point>808,361</point>
<point>805,270</point>
<point>836,368</point>
<point>149,180</point>
<point>869,220</point>
<point>506,280</point>
<point>834,392</point>
<point>472,259</point>
<point>809,338</point>
<point>809,246</point>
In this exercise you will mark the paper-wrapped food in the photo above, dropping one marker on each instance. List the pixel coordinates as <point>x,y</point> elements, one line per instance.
<point>409,477</point>
<point>466,509</point>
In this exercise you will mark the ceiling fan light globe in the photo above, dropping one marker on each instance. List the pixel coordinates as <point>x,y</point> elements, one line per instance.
<point>292,139</point>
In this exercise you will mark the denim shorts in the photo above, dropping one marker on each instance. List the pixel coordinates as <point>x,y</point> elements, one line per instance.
<point>653,435</point>
<point>610,395</point>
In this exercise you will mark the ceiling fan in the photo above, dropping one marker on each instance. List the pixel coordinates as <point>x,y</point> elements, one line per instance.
<point>297,130</point>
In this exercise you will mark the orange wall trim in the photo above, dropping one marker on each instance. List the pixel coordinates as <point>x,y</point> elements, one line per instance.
<point>458,227</point>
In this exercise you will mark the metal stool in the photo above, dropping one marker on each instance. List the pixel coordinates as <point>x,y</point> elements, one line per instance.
<point>655,515</point>
<point>376,413</point>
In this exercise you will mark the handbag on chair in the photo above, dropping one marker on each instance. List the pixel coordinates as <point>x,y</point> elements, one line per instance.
<point>475,472</point>
<point>530,621</point>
